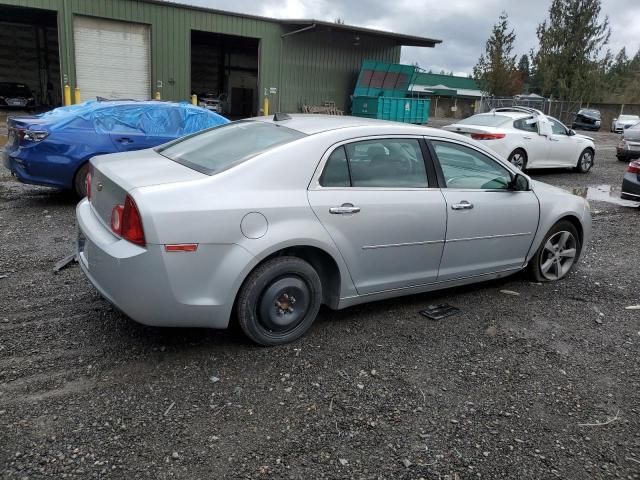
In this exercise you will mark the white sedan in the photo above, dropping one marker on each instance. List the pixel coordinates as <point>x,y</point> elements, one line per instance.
<point>624,121</point>
<point>529,139</point>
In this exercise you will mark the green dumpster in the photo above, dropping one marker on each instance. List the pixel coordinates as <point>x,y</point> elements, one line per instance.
<point>398,109</point>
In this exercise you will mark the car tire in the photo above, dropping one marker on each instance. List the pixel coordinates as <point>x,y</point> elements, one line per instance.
<point>279,301</point>
<point>585,162</point>
<point>553,261</point>
<point>79,185</point>
<point>621,158</point>
<point>518,159</point>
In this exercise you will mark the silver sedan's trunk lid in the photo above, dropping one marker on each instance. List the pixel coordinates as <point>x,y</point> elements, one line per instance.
<point>115,175</point>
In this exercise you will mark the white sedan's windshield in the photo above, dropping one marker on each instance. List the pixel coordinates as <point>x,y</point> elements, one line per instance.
<point>219,148</point>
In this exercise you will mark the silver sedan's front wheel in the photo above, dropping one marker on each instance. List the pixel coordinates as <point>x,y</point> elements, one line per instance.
<point>557,254</point>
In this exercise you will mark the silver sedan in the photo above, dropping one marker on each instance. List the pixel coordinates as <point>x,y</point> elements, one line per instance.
<point>263,221</point>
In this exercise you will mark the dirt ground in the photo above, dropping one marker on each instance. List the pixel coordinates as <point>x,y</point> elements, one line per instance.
<point>539,385</point>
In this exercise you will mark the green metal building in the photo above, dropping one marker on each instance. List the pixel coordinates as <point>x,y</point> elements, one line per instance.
<point>135,48</point>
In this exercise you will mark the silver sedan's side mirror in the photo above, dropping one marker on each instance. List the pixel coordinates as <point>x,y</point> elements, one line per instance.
<point>519,183</point>
<point>572,132</point>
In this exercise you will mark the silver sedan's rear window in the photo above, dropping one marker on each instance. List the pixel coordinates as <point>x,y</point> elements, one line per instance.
<point>220,148</point>
<point>485,120</point>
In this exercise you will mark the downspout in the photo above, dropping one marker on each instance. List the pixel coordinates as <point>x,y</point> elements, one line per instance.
<point>288,34</point>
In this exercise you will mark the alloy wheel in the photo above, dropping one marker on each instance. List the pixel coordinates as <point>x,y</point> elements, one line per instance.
<point>558,256</point>
<point>517,159</point>
<point>586,161</point>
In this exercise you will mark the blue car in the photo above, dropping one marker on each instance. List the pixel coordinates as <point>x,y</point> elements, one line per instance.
<point>54,148</point>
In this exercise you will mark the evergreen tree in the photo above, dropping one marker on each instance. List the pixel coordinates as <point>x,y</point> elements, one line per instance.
<point>524,69</point>
<point>496,68</point>
<point>568,63</point>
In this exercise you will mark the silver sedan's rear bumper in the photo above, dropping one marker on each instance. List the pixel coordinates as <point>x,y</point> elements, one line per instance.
<point>153,287</point>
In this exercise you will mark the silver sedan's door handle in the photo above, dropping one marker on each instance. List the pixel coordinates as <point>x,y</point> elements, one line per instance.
<point>527,138</point>
<point>463,205</point>
<point>344,209</point>
<point>554,139</point>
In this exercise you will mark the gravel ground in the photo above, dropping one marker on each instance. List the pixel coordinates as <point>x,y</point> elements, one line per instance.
<point>542,384</point>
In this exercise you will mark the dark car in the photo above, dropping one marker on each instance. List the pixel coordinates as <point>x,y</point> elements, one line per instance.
<point>631,182</point>
<point>587,119</point>
<point>54,148</point>
<point>629,146</point>
<point>16,95</point>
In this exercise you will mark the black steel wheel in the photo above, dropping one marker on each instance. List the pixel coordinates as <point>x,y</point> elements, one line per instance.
<point>279,301</point>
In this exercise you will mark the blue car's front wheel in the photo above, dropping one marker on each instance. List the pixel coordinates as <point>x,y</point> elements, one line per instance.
<point>79,181</point>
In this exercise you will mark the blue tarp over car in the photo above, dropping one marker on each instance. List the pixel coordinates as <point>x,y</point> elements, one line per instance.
<point>151,118</point>
<point>53,148</point>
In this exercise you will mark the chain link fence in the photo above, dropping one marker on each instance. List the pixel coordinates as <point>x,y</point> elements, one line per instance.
<point>562,110</point>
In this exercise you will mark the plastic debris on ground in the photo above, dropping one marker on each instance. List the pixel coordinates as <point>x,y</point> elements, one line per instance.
<point>65,262</point>
<point>440,311</point>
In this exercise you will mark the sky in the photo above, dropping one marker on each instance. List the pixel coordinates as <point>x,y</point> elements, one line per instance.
<point>462,25</point>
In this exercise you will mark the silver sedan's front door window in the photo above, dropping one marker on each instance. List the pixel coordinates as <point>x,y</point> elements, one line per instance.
<point>490,227</point>
<point>373,198</point>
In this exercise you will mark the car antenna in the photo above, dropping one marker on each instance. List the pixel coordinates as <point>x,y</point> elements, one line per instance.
<point>279,117</point>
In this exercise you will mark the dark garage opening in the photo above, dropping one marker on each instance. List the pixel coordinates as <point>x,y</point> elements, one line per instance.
<point>29,52</point>
<point>226,66</point>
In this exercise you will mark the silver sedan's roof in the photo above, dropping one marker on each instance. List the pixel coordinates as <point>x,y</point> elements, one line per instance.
<point>311,124</point>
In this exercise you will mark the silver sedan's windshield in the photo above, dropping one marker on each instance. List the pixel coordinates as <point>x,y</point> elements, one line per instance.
<point>219,148</point>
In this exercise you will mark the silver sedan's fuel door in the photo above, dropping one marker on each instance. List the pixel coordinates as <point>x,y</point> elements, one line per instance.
<point>490,226</point>
<point>373,197</point>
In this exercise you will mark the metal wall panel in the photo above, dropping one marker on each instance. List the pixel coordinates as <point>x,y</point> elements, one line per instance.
<point>316,66</point>
<point>322,66</point>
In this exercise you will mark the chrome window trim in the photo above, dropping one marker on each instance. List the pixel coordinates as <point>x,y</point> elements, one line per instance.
<point>489,190</point>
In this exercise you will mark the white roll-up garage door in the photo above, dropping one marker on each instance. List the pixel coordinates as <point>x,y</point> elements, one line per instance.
<point>112,59</point>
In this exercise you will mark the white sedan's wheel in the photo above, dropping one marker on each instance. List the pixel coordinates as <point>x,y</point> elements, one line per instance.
<point>585,162</point>
<point>518,159</point>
